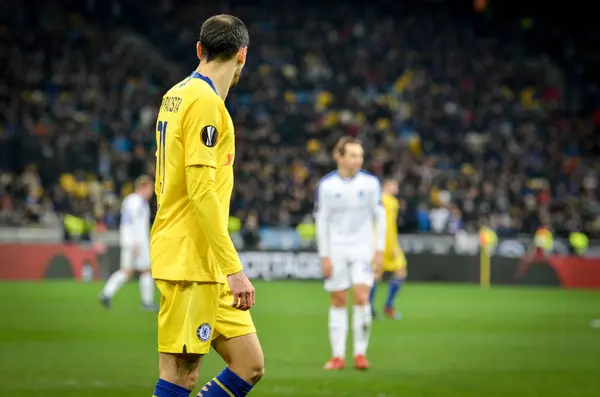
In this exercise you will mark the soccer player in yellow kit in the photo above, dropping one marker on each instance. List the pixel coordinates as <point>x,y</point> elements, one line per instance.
<point>205,295</point>
<point>394,260</point>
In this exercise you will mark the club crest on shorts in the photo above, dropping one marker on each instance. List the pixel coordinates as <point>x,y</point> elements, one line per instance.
<point>204,332</point>
<point>209,136</point>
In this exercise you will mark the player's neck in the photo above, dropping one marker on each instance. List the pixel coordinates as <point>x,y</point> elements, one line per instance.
<point>346,174</point>
<point>220,75</point>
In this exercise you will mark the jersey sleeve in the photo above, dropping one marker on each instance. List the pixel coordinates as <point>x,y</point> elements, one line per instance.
<point>200,183</point>
<point>202,126</point>
<point>141,220</point>
<point>130,222</point>
<point>322,215</point>
<point>379,217</point>
<point>391,241</point>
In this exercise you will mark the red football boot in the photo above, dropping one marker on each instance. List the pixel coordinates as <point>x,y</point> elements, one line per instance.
<point>361,362</point>
<point>393,314</point>
<point>335,364</point>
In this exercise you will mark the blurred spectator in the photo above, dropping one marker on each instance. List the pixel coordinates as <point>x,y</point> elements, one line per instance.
<point>439,218</point>
<point>455,222</point>
<point>469,117</point>
<point>250,232</point>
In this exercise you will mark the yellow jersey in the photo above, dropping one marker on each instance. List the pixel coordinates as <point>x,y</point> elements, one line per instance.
<point>392,246</point>
<point>194,181</point>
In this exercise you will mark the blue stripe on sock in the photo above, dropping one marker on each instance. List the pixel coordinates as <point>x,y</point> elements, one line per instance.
<point>236,385</point>
<point>167,389</point>
<point>212,389</point>
<point>393,289</point>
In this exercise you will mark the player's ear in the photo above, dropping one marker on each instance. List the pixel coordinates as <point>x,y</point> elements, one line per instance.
<point>242,53</point>
<point>199,50</point>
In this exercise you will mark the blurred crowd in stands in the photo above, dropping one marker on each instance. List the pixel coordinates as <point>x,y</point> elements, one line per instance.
<point>473,117</point>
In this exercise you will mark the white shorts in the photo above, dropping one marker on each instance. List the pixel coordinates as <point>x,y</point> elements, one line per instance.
<point>139,262</point>
<point>350,267</point>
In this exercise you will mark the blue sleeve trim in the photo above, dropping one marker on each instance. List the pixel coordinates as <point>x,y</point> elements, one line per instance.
<point>326,177</point>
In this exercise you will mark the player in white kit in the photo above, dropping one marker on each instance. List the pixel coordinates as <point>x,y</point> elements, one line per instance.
<point>350,222</point>
<point>135,245</point>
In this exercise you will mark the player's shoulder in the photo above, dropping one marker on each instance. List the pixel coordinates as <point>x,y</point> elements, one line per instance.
<point>327,180</point>
<point>370,179</point>
<point>191,90</point>
<point>132,199</point>
<point>128,203</point>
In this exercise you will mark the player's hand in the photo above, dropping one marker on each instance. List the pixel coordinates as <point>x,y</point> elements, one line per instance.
<point>326,267</point>
<point>378,265</point>
<point>242,290</point>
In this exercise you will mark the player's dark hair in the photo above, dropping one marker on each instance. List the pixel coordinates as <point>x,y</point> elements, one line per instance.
<point>340,147</point>
<point>222,36</point>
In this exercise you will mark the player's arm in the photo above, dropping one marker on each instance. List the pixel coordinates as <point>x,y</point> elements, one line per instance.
<point>157,176</point>
<point>380,229</point>
<point>137,225</point>
<point>140,222</point>
<point>322,214</point>
<point>201,164</point>
<point>392,246</point>
<point>379,217</point>
<point>128,223</point>
<point>322,219</point>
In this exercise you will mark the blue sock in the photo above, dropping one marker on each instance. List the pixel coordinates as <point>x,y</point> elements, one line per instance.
<point>167,389</point>
<point>393,289</point>
<point>372,295</point>
<point>226,384</point>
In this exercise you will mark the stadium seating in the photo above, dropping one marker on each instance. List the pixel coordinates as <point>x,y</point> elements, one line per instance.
<point>460,110</point>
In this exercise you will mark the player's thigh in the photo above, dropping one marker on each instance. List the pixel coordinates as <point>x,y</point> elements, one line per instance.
<point>363,277</point>
<point>340,279</point>
<point>127,259</point>
<point>243,355</point>
<point>142,261</point>
<point>236,341</point>
<point>187,316</point>
<point>240,349</point>
<point>361,271</point>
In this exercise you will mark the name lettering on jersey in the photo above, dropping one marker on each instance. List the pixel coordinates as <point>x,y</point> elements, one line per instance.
<point>171,104</point>
<point>209,136</point>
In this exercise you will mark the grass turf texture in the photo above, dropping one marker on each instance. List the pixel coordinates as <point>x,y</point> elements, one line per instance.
<point>455,341</point>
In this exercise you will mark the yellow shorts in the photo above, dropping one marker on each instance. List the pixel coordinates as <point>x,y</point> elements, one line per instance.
<point>393,264</point>
<point>193,314</point>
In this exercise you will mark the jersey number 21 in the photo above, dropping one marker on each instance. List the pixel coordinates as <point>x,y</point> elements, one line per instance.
<point>162,137</point>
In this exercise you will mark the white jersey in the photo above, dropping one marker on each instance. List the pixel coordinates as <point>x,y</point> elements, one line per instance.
<point>350,215</point>
<point>135,222</point>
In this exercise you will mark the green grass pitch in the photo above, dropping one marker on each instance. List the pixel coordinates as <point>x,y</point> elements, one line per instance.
<point>455,341</point>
